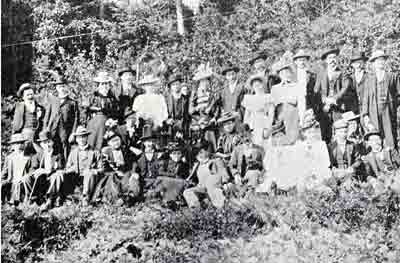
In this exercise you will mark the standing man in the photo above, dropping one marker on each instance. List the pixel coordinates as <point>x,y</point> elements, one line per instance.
<point>62,118</point>
<point>233,92</point>
<point>259,67</point>
<point>332,90</point>
<point>306,80</point>
<point>381,100</point>
<point>28,115</point>
<point>359,76</point>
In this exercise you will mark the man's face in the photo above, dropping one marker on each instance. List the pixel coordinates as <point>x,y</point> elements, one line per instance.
<point>229,126</point>
<point>81,140</point>
<point>358,65</point>
<point>126,80</point>
<point>375,142</point>
<point>184,90</point>
<point>62,90</point>
<point>176,87</point>
<point>176,156</point>
<point>47,145</point>
<point>341,134</point>
<point>301,62</point>
<point>379,63</point>
<point>259,65</point>
<point>331,60</point>
<point>115,143</point>
<point>28,95</point>
<point>231,76</point>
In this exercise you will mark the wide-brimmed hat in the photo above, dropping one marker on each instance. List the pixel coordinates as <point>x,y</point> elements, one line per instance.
<point>174,78</point>
<point>309,120</point>
<point>350,116</point>
<point>370,133</point>
<point>204,71</point>
<point>24,87</point>
<point>44,136</point>
<point>81,131</point>
<point>259,55</point>
<point>301,53</point>
<point>126,69</point>
<point>228,68</point>
<point>378,54</point>
<point>282,65</point>
<point>340,124</point>
<point>148,79</point>
<point>328,51</point>
<point>258,77</point>
<point>227,116</point>
<point>358,55</point>
<point>147,133</point>
<point>103,77</point>
<point>17,138</point>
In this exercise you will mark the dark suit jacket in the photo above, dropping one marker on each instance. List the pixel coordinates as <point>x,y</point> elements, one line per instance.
<point>232,101</point>
<point>172,169</point>
<point>19,121</point>
<point>56,158</point>
<point>143,167</point>
<point>360,89</point>
<point>62,118</point>
<point>108,157</point>
<point>180,122</point>
<point>351,155</point>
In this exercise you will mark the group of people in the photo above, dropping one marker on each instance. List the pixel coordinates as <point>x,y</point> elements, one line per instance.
<point>216,140</point>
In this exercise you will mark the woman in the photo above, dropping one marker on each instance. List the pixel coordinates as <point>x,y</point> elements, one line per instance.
<point>258,108</point>
<point>102,106</point>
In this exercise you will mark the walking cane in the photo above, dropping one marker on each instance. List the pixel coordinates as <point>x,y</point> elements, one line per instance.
<point>33,188</point>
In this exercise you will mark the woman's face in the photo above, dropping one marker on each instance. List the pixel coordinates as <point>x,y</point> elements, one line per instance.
<point>104,87</point>
<point>148,146</point>
<point>230,75</point>
<point>258,86</point>
<point>203,156</point>
<point>301,62</point>
<point>379,63</point>
<point>375,142</point>
<point>115,143</point>
<point>62,91</point>
<point>126,80</point>
<point>175,87</point>
<point>229,126</point>
<point>176,156</point>
<point>259,65</point>
<point>341,134</point>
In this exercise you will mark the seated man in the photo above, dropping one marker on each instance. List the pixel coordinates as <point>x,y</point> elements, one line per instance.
<point>246,164</point>
<point>118,182</point>
<point>229,138</point>
<point>172,174</point>
<point>211,175</point>
<point>130,132</point>
<point>49,165</point>
<point>344,155</point>
<point>16,180</point>
<point>84,165</point>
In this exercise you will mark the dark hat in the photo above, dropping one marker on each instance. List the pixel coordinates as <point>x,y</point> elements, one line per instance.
<point>44,136</point>
<point>128,112</point>
<point>175,77</point>
<point>329,51</point>
<point>17,138</point>
<point>202,145</point>
<point>147,133</point>
<point>227,116</point>
<point>126,69</point>
<point>258,55</point>
<point>229,68</point>
<point>174,146</point>
<point>80,131</point>
<point>24,87</point>
<point>357,55</point>
<point>301,53</point>
<point>370,133</point>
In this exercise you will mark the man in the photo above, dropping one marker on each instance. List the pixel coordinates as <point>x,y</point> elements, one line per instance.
<point>333,91</point>
<point>380,101</point>
<point>359,76</point>
<point>344,155</point>
<point>233,92</point>
<point>62,118</point>
<point>259,66</point>
<point>126,92</point>
<point>130,132</point>
<point>246,163</point>
<point>212,177</point>
<point>49,165</point>
<point>28,115</point>
<point>379,160</point>
<point>306,79</point>
<point>84,165</point>
<point>230,137</point>
<point>16,180</point>
<point>178,108</point>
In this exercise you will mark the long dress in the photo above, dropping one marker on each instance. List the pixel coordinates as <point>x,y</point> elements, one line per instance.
<point>96,124</point>
<point>256,114</point>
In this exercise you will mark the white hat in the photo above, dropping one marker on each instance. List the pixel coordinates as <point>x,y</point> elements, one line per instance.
<point>103,77</point>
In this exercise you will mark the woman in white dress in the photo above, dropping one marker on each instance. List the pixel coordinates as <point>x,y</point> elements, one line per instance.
<point>259,108</point>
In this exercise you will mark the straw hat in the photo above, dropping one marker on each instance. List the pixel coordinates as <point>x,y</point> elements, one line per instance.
<point>203,72</point>
<point>257,56</point>
<point>228,68</point>
<point>17,138</point>
<point>44,136</point>
<point>370,133</point>
<point>81,131</point>
<point>103,77</point>
<point>126,69</point>
<point>350,116</point>
<point>24,87</point>
<point>175,77</point>
<point>340,124</point>
<point>301,53</point>
<point>148,79</point>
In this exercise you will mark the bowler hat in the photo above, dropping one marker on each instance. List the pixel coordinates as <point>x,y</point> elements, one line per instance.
<point>228,68</point>
<point>17,138</point>
<point>357,55</point>
<point>258,55</point>
<point>24,87</point>
<point>80,131</point>
<point>371,133</point>
<point>227,116</point>
<point>329,51</point>
<point>301,53</point>
<point>44,136</point>
<point>126,69</point>
<point>378,54</point>
<point>103,77</point>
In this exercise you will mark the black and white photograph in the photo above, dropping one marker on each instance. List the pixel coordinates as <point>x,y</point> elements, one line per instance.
<point>200,131</point>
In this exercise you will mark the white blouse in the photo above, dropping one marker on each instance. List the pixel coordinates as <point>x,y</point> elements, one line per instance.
<point>151,106</point>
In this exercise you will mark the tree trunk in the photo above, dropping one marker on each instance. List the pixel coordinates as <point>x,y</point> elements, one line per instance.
<point>179,17</point>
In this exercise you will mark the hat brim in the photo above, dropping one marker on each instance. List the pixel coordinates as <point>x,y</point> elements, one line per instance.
<point>17,141</point>
<point>20,92</point>
<point>43,139</point>
<point>354,59</point>
<point>369,134</point>
<point>102,80</point>
<point>331,51</point>
<point>372,59</point>
<point>82,133</point>
<point>174,80</point>
<point>354,118</point>
<point>226,70</point>
<point>301,56</point>
<point>126,70</point>
<point>253,60</point>
<point>202,76</point>
<point>148,82</point>
<point>287,66</point>
<point>231,118</point>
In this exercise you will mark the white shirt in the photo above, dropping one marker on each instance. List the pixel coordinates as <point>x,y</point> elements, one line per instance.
<point>232,86</point>
<point>380,75</point>
<point>358,75</point>
<point>30,106</point>
<point>151,106</point>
